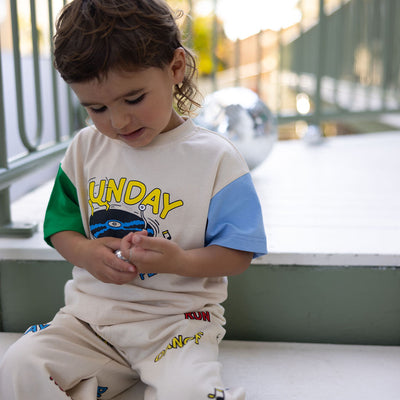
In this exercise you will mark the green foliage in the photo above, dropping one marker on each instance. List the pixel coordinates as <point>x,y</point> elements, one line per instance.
<point>198,34</point>
<point>202,40</point>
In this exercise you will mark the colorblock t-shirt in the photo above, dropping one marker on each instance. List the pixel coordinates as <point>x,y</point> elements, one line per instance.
<point>189,185</point>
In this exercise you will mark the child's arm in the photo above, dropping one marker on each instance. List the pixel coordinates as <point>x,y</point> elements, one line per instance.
<point>159,255</point>
<point>96,256</point>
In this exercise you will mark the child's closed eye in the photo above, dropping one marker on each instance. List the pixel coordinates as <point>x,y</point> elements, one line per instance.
<point>98,110</point>
<point>101,109</point>
<point>137,100</point>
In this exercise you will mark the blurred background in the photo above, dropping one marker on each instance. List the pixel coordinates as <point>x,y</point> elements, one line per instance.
<point>331,66</point>
<point>332,63</point>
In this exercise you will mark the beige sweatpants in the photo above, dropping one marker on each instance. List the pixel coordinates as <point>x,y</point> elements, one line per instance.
<point>175,356</point>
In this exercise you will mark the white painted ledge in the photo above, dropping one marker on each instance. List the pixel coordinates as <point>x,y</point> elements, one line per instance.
<point>30,208</point>
<point>299,371</point>
<point>333,204</point>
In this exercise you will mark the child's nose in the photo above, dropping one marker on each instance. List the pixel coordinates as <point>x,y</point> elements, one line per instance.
<point>119,120</point>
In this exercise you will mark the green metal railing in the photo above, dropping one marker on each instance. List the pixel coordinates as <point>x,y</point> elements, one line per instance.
<point>349,61</point>
<point>345,62</point>
<point>37,151</point>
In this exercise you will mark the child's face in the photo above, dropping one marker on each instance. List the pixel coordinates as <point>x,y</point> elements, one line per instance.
<point>134,107</point>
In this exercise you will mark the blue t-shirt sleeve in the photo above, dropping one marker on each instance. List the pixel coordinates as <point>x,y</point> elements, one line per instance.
<point>235,218</point>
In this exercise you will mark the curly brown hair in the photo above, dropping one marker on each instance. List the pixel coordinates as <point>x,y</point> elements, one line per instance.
<point>94,36</point>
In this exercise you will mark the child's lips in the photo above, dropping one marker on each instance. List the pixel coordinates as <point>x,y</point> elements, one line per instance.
<point>132,135</point>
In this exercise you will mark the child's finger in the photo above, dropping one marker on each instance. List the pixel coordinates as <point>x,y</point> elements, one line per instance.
<point>126,243</point>
<point>113,243</point>
<point>121,277</point>
<point>149,242</point>
<point>141,233</point>
<point>121,264</point>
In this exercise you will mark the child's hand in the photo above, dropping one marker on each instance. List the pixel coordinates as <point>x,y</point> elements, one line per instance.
<point>160,255</point>
<point>151,254</point>
<point>103,264</point>
<point>127,244</point>
<point>96,256</point>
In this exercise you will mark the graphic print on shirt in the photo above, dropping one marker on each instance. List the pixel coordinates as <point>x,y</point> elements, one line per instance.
<point>118,223</point>
<point>110,200</point>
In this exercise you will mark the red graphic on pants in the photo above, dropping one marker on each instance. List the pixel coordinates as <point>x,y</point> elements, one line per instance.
<point>199,315</point>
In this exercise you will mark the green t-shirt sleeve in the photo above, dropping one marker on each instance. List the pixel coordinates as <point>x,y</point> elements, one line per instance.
<point>63,212</point>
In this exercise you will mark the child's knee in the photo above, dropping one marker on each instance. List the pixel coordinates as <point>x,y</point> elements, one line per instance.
<point>18,355</point>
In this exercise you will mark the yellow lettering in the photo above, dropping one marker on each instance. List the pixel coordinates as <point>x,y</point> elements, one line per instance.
<point>128,195</point>
<point>97,199</point>
<point>169,206</point>
<point>153,200</point>
<point>187,339</point>
<point>131,192</point>
<point>112,189</point>
<point>197,337</point>
<point>160,356</point>
<point>177,341</point>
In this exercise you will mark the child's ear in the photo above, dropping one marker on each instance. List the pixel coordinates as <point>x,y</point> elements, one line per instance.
<point>178,65</point>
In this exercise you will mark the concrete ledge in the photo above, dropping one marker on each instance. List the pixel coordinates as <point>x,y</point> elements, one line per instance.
<point>295,371</point>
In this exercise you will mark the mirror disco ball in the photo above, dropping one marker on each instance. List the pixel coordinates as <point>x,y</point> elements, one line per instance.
<point>240,115</point>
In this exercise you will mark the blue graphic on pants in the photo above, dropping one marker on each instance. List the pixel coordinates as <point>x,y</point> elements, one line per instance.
<point>101,390</point>
<point>36,328</point>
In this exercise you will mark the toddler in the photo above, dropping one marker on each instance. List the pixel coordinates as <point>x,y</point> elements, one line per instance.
<point>153,212</point>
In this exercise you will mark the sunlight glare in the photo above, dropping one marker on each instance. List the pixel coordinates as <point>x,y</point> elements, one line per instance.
<point>3,11</point>
<point>203,7</point>
<point>241,21</point>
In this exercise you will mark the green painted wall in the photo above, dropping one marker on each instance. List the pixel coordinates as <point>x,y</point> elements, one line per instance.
<point>31,292</point>
<point>354,305</point>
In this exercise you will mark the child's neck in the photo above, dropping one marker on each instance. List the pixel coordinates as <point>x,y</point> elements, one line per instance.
<point>174,121</point>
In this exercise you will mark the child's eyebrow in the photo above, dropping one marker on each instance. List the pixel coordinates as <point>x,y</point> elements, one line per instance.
<point>128,94</point>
